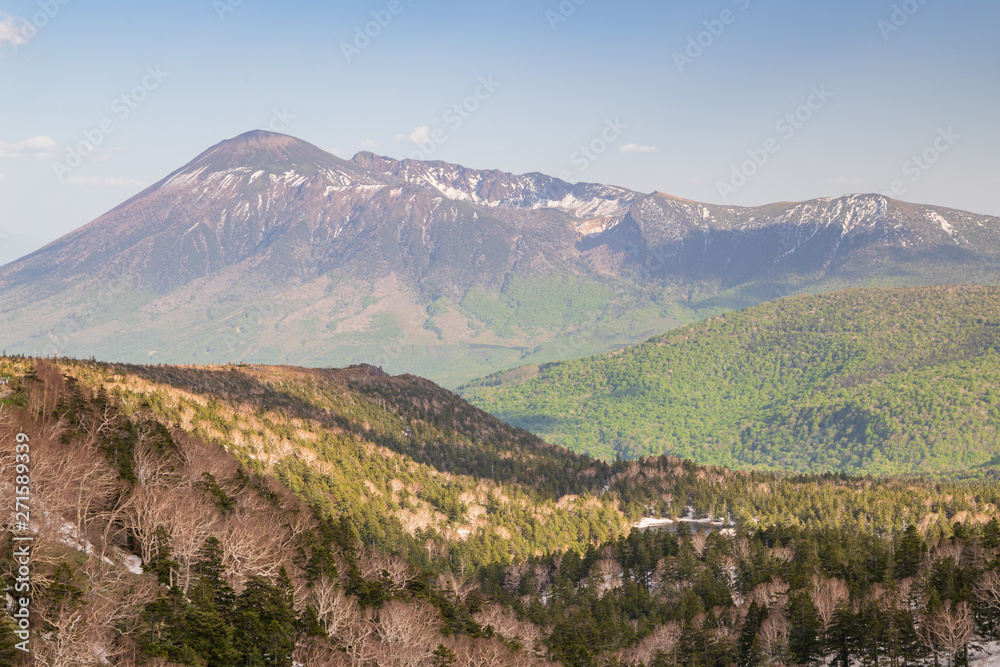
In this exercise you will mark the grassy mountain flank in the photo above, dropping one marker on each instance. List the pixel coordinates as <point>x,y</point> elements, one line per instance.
<point>873,380</point>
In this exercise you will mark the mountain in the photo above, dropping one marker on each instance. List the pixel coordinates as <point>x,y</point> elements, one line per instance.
<point>266,248</point>
<point>866,381</point>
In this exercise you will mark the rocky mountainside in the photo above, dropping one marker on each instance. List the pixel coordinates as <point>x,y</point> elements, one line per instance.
<point>267,248</point>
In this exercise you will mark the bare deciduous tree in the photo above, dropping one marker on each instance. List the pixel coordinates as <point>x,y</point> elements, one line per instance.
<point>65,643</point>
<point>360,641</point>
<point>698,541</point>
<point>249,548</point>
<point>771,594</point>
<point>193,522</point>
<point>44,396</point>
<point>115,602</point>
<point>393,569</point>
<point>400,655</point>
<point>456,586</point>
<point>314,652</point>
<point>773,634</point>
<point>827,595</point>
<point>73,489</point>
<point>512,579</point>
<point>784,554</point>
<point>607,575</point>
<point>146,512</point>
<point>506,624</point>
<point>988,591</point>
<point>336,610</point>
<point>948,628</point>
<point>151,468</point>
<point>664,638</point>
<point>489,653</point>
<point>408,623</point>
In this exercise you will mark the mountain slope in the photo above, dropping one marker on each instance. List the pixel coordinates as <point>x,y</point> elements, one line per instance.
<point>151,544</point>
<point>199,219</point>
<point>874,381</point>
<point>266,248</point>
<point>248,515</point>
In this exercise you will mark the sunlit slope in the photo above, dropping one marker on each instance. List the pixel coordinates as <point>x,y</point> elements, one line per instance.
<point>875,380</point>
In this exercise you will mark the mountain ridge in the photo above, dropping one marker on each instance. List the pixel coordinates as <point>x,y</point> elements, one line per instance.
<point>288,254</point>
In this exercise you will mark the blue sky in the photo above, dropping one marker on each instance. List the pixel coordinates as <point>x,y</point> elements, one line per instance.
<point>822,97</point>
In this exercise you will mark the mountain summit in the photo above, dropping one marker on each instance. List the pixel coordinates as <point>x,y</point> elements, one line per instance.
<point>266,247</point>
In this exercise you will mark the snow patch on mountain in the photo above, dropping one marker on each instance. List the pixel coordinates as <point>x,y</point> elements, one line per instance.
<point>946,226</point>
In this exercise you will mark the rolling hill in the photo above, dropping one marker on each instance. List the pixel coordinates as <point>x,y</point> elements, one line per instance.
<point>268,249</point>
<point>864,381</point>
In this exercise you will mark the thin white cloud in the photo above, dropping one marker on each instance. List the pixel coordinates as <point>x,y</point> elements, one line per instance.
<point>2,178</point>
<point>37,146</point>
<point>105,154</point>
<point>106,182</point>
<point>12,30</point>
<point>420,135</point>
<point>368,144</point>
<point>636,148</point>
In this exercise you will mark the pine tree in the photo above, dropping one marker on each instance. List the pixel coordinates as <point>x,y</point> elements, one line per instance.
<point>909,553</point>
<point>843,636</point>
<point>265,622</point>
<point>212,575</point>
<point>803,636</point>
<point>748,647</point>
<point>691,646</point>
<point>209,635</point>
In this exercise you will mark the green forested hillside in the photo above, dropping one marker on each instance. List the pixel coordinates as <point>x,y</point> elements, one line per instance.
<point>875,380</point>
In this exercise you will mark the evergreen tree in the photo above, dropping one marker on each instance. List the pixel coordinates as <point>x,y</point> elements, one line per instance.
<point>160,563</point>
<point>803,636</point>
<point>167,633</point>
<point>265,621</point>
<point>991,534</point>
<point>691,646</point>
<point>211,575</point>
<point>909,553</point>
<point>842,637</point>
<point>748,647</point>
<point>210,636</point>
